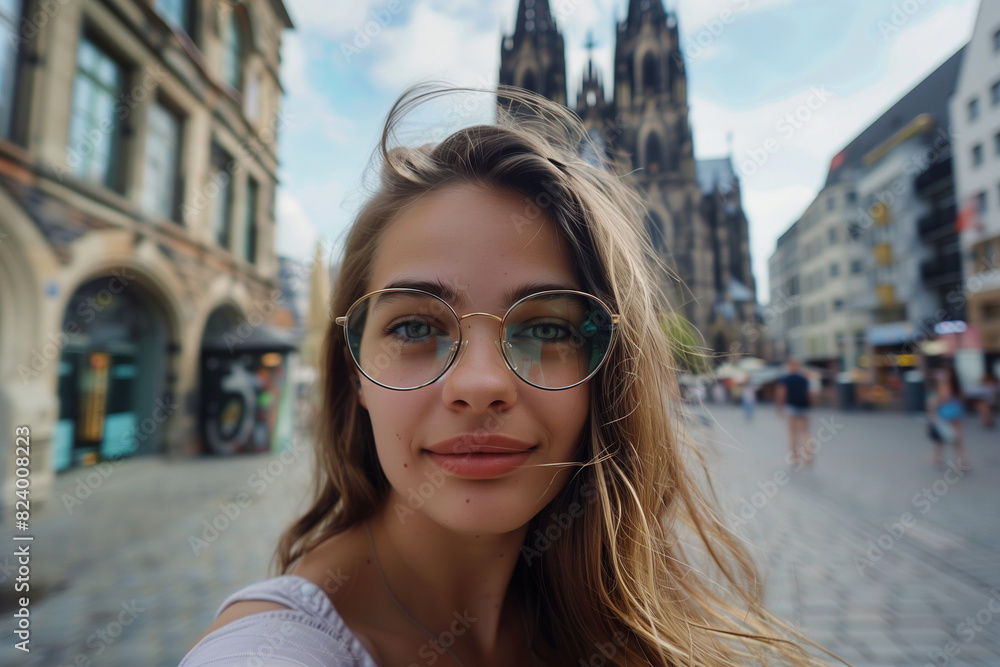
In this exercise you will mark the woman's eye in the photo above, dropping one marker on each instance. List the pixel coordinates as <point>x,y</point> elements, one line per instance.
<point>546,331</point>
<point>412,329</point>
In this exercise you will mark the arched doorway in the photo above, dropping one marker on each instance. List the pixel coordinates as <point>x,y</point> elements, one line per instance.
<point>113,398</point>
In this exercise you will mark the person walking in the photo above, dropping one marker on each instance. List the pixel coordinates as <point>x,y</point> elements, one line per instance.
<point>945,409</point>
<point>749,395</point>
<point>793,399</point>
<point>987,397</point>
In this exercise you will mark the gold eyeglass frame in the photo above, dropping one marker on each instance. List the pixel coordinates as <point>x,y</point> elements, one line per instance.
<point>457,347</point>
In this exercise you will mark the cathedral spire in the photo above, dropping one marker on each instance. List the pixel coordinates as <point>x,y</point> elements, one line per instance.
<point>638,9</point>
<point>534,57</point>
<point>533,16</point>
<point>592,89</point>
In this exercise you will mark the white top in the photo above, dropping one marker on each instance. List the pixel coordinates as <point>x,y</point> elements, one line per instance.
<point>310,633</point>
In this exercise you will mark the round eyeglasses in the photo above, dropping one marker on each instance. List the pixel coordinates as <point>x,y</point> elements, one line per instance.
<point>407,338</point>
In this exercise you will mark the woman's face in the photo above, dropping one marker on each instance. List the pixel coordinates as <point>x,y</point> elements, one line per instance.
<point>481,244</point>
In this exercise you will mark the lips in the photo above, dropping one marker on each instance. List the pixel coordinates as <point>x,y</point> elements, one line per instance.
<point>474,457</point>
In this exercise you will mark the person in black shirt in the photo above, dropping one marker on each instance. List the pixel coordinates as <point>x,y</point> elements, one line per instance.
<point>793,399</point>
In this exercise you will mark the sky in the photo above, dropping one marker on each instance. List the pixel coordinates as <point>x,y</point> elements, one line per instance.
<point>834,65</point>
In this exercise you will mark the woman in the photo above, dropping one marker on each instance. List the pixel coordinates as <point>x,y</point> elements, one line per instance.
<point>945,409</point>
<point>500,479</point>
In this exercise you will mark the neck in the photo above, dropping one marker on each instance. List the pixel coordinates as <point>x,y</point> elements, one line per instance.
<point>445,579</point>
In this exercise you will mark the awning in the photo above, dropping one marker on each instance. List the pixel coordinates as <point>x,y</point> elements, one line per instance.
<point>246,338</point>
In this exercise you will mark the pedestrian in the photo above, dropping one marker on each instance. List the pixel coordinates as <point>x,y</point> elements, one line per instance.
<point>719,393</point>
<point>499,480</point>
<point>793,399</point>
<point>749,396</point>
<point>987,399</point>
<point>945,410</point>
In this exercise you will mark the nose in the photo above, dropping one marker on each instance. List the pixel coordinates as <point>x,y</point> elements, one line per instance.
<point>479,378</point>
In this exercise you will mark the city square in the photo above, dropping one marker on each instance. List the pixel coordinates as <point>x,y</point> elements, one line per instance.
<point>872,552</point>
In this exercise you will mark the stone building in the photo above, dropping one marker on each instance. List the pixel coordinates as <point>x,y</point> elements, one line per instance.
<point>695,217</point>
<point>138,160</point>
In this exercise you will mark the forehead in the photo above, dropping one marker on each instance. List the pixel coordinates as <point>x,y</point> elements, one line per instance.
<point>471,244</point>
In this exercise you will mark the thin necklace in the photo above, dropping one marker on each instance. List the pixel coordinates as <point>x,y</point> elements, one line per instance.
<point>399,605</point>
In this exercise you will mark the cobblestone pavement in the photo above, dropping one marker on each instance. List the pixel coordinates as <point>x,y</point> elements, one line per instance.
<point>872,552</point>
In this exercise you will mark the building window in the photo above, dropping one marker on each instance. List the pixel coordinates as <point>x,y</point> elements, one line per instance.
<point>650,79</point>
<point>985,255</point>
<point>995,93</point>
<point>177,12</point>
<point>852,197</point>
<point>838,305</point>
<point>222,202</point>
<point>232,64</point>
<point>981,203</point>
<point>977,155</point>
<point>996,42</point>
<point>10,16</point>
<point>834,270</point>
<point>830,203</point>
<point>653,155</point>
<point>95,127</point>
<point>857,266</point>
<point>250,222</point>
<point>974,108</point>
<point>996,143</point>
<point>832,235</point>
<point>251,101</point>
<point>160,181</point>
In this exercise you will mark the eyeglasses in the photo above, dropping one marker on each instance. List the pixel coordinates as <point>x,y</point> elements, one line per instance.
<point>406,338</point>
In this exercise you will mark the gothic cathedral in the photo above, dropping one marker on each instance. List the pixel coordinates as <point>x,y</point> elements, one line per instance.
<point>695,218</point>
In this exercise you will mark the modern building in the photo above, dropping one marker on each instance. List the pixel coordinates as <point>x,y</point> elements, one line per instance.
<point>875,254</point>
<point>138,162</point>
<point>783,314</point>
<point>695,216</point>
<point>911,253</point>
<point>975,110</point>
<point>831,270</point>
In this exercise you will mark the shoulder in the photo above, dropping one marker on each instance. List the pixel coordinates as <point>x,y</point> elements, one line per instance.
<point>287,619</point>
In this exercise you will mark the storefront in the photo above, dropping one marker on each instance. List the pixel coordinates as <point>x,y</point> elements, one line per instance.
<point>247,400</point>
<point>892,352</point>
<point>112,379</point>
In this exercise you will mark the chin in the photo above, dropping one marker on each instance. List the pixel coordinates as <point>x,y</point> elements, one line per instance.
<point>490,507</point>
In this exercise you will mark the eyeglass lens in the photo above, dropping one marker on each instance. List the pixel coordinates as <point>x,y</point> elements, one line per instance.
<point>404,339</point>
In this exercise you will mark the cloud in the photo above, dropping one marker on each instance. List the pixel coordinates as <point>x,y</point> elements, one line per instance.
<point>295,233</point>
<point>694,17</point>
<point>308,107</point>
<point>438,44</point>
<point>332,19</point>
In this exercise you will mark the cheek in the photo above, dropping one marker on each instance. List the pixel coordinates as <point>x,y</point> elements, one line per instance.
<point>566,417</point>
<point>396,418</point>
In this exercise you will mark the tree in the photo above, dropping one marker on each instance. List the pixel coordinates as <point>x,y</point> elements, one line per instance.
<point>686,344</point>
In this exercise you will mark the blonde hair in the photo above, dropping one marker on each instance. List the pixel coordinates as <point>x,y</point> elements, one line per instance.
<point>605,570</point>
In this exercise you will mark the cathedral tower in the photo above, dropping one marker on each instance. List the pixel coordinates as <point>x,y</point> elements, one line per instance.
<point>534,57</point>
<point>651,105</point>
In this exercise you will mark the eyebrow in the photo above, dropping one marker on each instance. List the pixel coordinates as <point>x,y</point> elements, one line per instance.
<point>456,299</point>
